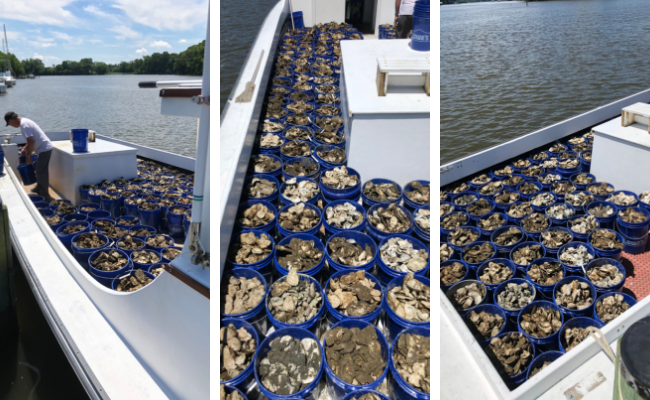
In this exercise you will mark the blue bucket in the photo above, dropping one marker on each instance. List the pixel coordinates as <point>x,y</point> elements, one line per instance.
<point>516,220</point>
<point>145,267</point>
<point>150,217</point>
<point>627,193</point>
<point>528,196</point>
<point>66,239</point>
<point>285,232</point>
<point>585,312</point>
<point>330,230</point>
<point>176,220</point>
<point>255,316</point>
<point>276,172</point>
<point>334,316</point>
<point>570,269</point>
<point>128,252</point>
<point>158,249</point>
<point>476,217</point>
<point>311,324</point>
<point>151,231</point>
<point>548,342</point>
<point>631,301</point>
<point>35,198</point>
<point>401,389</point>
<point>111,205</point>
<point>87,205</point>
<point>99,214</point>
<point>600,197</point>
<point>467,275</point>
<point>338,388</point>
<point>326,166</point>
<point>245,378</point>
<point>451,293</point>
<point>605,222</point>
<point>106,277</point>
<point>581,186</point>
<point>75,217</point>
<point>460,207</point>
<point>602,261</point>
<point>547,186</point>
<point>27,174</point>
<point>541,359</point>
<point>490,309</point>
<point>386,273</point>
<point>552,251</point>
<point>634,230</point>
<point>410,204</point>
<point>286,158</point>
<point>504,251</point>
<point>81,254</point>
<point>378,234</point>
<point>516,380</point>
<point>558,221</point>
<point>578,322</point>
<point>270,198</point>
<point>306,161</point>
<point>514,313</point>
<point>521,267</point>
<point>42,205</point>
<point>535,235</point>
<point>265,266</point>
<point>285,201</point>
<point>362,240</point>
<point>275,150</point>
<point>79,140</point>
<point>492,287</point>
<point>421,37</point>
<point>615,253</point>
<point>315,271</point>
<point>459,248</point>
<point>118,279</point>
<point>445,232</point>
<point>579,237</point>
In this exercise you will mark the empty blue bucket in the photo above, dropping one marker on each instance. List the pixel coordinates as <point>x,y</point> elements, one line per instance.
<point>79,140</point>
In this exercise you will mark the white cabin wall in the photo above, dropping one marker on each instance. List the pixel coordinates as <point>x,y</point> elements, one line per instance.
<point>385,12</point>
<point>328,10</point>
<point>306,6</point>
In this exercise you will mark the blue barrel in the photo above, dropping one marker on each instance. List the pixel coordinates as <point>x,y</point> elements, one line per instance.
<point>311,324</point>
<point>246,377</point>
<point>401,389</point>
<point>585,312</point>
<point>334,316</point>
<point>330,230</point>
<point>541,359</point>
<point>492,287</point>
<point>87,205</point>
<point>571,270</point>
<point>605,222</point>
<point>600,197</point>
<point>66,239</point>
<point>631,301</point>
<point>79,140</point>
<point>615,253</point>
<point>306,161</point>
<point>524,267</point>
<point>552,251</point>
<point>118,279</point>
<point>106,277</point>
<point>264,348</point>
<point>420,38</point>
<point>285,232</point>
<point>338,388</point>
<point>512,314</point>
<point>386,273</point>
<point>459,248</point>
<point>581,186</point>
<point>379,235</point>
<point>564,221</point>
<point>548,342</point>
<point>578,322</point>
<point>362,240</point>
<point>516,220</point>
<point>513,381</point>
<point>27,174</point>
<point>82,254</point>
<point>603,261</point>
<point>504,251</point>
<point>490,309</point>
<point>315,271</point>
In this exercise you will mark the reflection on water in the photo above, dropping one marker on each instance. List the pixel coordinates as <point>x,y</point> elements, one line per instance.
<point>111,105</point>
<point>507,69</point>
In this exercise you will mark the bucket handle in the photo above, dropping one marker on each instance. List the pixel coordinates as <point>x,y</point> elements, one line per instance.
<point>602,342</point>
<point>625,236</point>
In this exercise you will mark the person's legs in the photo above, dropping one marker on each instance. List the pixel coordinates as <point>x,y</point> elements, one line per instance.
<point>43,175</point>
<point>404,26</point>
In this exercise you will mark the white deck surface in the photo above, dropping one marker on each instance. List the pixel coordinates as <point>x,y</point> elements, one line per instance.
<point>360,68</point>
<point>104,160</point>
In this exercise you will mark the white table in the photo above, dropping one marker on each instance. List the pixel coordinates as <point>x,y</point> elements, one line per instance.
<point>104,160</point>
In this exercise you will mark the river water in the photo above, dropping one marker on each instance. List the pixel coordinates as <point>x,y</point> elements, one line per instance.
<point>239,23</point>
<point>508,69</point>
<point>111,105</point>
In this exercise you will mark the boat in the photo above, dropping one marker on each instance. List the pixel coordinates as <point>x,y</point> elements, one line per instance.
<point>9,80</point>
<point>152,343</point>
<point>585,371</point>
<point>366,111</point>
<point>3,86</point>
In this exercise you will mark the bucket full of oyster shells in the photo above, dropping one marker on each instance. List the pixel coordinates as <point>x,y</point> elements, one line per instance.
<point>359,341</point>
<point>299,218</point>
<point>606,274</point>
<point>633,223</point>
<point>406,303</point>
<point>452,272</point>
<point>301,167</point>
<point>511,354</point>
<point>399,255</point>
<point>542,361</point>
<point>609,306</point>
<point>242,297</point>
<point>600,190</point>
<point>133,280</point>
<point>574,332</point>
<point>353,295</point>
<point>422,224</point>
<point>576,296</point>
<point>330,156</point>
<point>494,272</point>
<point>380,191</point>
<point>540,322</point>
<point>607,243</point>
<point>605,212</point>
<point>350,250</point>
<point>417,194</point>
<point>253,250</point>
<point>340,183</point>
<point>295,301</point>
<point>485,322</point>
<point>385,221</point>
<point>299,190</point>
<point>506,238</point>
<point>289,364</point>
<point>300,252</point>
<point>344,215</point>
<point>239,342</point>
<point>257,215</point>
<point>262,187</point>
<point>409,364</point>
<point>512,296</point>
<point>270,164</point>
<point>575,256</point>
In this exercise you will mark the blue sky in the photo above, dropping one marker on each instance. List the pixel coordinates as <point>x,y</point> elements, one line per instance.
<point>109,31</point>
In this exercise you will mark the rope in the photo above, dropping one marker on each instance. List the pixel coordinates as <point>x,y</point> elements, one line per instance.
<point>598,336</point>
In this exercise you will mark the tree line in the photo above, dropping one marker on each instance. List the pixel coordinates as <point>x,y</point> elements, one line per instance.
<point>188,62</point>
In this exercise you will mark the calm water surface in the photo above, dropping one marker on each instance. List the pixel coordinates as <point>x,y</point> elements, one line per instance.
<point>111,105</point>
<point>508,69</point>
<point>240,21</point>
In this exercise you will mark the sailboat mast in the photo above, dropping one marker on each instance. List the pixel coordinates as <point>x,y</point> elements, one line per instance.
<point>7,60</point>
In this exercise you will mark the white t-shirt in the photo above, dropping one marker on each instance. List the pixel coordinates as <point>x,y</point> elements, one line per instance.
<point>406,7</point>
<point>29,129</point>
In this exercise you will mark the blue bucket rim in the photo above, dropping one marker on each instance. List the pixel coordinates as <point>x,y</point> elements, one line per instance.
<point>502,287</point>
<point>570,323</point>
<point>539,303</point>
<point>527,243</point>
<point>421,331</point>
<point>492,286</point>
<point>568,279</point>
<point>302,236</point>
<point>631,301</point>
<point>313,320</point>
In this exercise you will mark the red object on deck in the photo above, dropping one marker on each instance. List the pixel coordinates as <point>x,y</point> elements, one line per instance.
<point>637,282</point>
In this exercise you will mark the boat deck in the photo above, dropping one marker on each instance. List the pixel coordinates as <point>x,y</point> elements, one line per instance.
<point>637,282</point>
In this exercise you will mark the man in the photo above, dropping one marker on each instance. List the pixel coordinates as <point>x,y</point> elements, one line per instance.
<point>38,143</point>
<point>403,18</point>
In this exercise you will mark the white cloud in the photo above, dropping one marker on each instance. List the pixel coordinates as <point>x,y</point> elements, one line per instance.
<point>66,37</point>
<point>160,45</point>
<point>94,41</point>
<point>43,44</point>
<point>47,60</point>
<point>166,14</point>
<point>124,32</point>
<point>141,51</point>
<point>182,41</point>
<point>96,11</point>
<point>50,12</point>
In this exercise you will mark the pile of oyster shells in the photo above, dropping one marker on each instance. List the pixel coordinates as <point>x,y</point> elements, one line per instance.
<point>605,275</point>
<point>541,322</point>
<point>256,215</point>
<point>512,352</point>
<point>576,256</point>
<point>469,296</point>
<point>546,273</point>
<point>509,237</point>
<point>411,300</point>
<point>452,273</point>
<point>495,273</point>
<point>574,296</point>
<point>294,301</point>
<point>391,219</point>
<point>422,219</point>
<point>249,249</point>
<point>237,347</point>
<point>354,294</point>
<point>611,307</point>
<point>622,199</point>
<point>583,225</point>
<point>485,324</point>
<point>348,252</point>
<point>446,252</point>
<point>339,178</point>
<point>400,255</point>
<point>242,295</point>
<point>516,296</point>
<point>343,216</point>
<point>300,192</point>
<point>578,199</point>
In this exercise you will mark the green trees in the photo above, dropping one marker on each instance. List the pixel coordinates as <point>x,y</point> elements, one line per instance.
<point>16,66</point>
<point>188,62</point>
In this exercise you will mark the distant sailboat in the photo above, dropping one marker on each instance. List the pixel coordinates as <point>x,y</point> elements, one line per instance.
<point>7,75</point>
